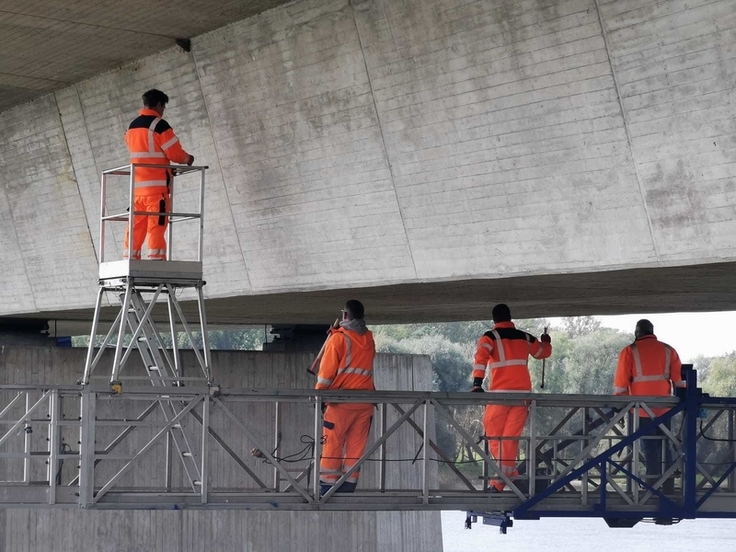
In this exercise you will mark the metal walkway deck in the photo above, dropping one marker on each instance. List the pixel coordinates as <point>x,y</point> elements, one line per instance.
<point>84,447</point>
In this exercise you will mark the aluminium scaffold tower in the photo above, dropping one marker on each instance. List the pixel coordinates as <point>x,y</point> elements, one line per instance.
<point>148,290</point>
<point>140,287</point>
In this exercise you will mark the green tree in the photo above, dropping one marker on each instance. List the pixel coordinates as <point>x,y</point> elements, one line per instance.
<point>719,377</point>
<point>451,366</point>
<point>592,362</point>
<point>578,326</point>
<point>236,339</point>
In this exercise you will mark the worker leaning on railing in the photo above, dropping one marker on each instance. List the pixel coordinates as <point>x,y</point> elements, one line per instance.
<point>649,367</point>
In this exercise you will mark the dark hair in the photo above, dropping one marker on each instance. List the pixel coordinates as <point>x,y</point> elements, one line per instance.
<point>354,309</point>
<point>154,97</point>
<point>501,313</point>
<point>644,327</point>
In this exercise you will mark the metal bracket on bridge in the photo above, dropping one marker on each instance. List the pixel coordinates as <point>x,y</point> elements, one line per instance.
<point>502,520</point>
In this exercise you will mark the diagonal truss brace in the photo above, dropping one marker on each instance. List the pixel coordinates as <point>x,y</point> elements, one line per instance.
<point>170,424</point>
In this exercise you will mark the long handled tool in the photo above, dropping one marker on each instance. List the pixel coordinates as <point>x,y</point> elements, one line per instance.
<point>313,368</point>
<point>544,363</point>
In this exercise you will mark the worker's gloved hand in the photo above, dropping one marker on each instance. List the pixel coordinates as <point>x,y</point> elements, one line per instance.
<point>545,338</point>
<point>324,407</point>
<point>191,160</point>
<point>477,390</point>
<point>477,385</point>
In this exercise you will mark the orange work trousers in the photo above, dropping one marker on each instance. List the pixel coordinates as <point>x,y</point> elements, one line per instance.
<point>344,435</point>
<point>504,421</point>
<point>152,226</point>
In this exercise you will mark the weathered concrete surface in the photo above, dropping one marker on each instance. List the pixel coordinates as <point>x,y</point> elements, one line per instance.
<point>30,530</point>
<point>47,46</point>
<point>409,143</point>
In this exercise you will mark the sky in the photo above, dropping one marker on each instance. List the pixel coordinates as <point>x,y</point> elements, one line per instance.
<point>691,334</point>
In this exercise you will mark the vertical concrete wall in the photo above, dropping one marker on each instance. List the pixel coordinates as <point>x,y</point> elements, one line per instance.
<point>30,530</point>
<point>377,142</point>
<point>675,66</point>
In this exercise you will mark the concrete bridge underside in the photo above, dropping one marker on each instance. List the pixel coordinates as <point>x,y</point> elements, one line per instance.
<point>680,289</point>
<point>432,157</point>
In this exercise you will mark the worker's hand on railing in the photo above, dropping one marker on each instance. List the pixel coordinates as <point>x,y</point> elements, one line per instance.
<point>545,338</point>
<point>476,389</point>
<point>477,385</point>
<point>191,160</point>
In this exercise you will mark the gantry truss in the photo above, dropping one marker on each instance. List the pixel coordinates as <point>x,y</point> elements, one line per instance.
<point>82,446</point>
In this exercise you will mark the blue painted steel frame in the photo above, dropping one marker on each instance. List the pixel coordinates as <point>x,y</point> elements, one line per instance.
<point>691,404</point>
<point>602,459</point>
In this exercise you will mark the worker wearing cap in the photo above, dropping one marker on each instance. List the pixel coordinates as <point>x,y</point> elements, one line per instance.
<point>347,363</point>
<point>151,141</point>
<point>505,351</point>
<point>649,367</point>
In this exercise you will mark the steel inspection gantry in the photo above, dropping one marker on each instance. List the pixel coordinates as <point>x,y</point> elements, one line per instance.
<point>585,464</point>
<point>172,446</point>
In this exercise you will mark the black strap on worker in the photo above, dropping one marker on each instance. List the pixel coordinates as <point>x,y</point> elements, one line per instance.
<point>162,211</point>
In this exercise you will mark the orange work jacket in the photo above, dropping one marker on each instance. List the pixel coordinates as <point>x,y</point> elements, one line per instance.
<point>505,351</point>
<point>347,362</point>
<point>648,367</point>
<point>152,141</point>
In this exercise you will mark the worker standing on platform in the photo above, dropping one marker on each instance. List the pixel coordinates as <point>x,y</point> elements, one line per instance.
<point>347,363</point>
<point>505,351</point>
<point>650,367</point>
<point>152,141</point>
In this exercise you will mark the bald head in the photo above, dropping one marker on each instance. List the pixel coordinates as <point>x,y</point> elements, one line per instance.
<point>643,328</point>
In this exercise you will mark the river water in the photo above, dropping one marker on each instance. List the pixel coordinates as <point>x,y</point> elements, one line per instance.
<point>583,535</point>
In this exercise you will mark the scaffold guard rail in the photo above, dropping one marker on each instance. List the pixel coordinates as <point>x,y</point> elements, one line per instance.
<point>84,447</point>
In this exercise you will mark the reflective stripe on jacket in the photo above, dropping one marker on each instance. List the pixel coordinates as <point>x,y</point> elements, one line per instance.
<point>347,362</point>
<point>152,141</point>
<point>505,351</point>
<point>648,367</point>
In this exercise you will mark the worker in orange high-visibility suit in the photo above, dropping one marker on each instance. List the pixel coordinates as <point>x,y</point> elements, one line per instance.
<point>505,351</point>
<point>347,363</point>
<point>650,367</point>
<point>152,141</point>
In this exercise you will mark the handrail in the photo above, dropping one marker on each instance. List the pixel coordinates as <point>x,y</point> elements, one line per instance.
<point>172,216</point>
<point>586,471</point>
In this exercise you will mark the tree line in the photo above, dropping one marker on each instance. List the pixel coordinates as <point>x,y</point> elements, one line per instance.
<point>583,361</point>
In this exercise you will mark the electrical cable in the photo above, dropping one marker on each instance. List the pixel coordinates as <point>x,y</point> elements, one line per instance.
<point>714,439</point>
<point>308,452</point>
